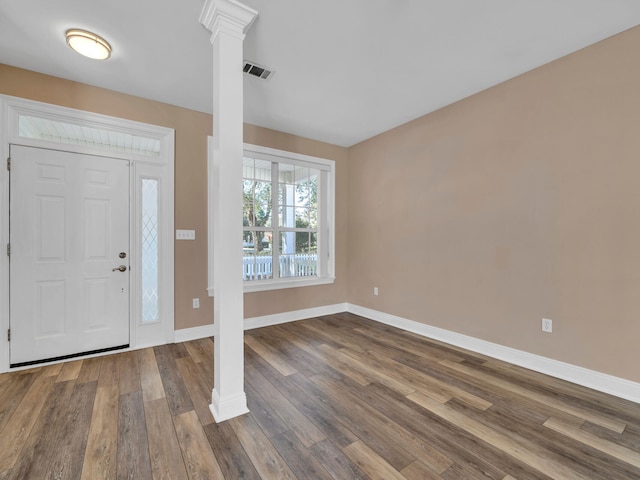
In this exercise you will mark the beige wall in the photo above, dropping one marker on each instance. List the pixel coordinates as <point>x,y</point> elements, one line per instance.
<point>191,131</point>
<point>518,203</point>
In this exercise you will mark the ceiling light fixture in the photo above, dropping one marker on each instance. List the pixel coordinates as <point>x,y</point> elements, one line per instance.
<point>88,44</point>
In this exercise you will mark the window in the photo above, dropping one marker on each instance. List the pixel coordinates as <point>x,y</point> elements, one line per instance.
<point>150,258</point>
<point>287,219</point>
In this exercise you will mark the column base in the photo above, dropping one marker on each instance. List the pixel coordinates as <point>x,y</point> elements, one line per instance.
<point>227,407</point>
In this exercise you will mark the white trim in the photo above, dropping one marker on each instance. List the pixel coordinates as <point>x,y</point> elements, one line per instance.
<point>291,282</point>
<point>228,407</point>
<point>284,156</point>
<point>204,331</point>
<point>227,20</point>
<point>194,333</point>
<point>17,106</point>
<point>326,269</point>
<point>293,316</point>
<point>602,382</point>
<point>161,167</point>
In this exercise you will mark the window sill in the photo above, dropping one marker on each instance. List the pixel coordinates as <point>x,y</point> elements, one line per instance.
<point>265,285</point>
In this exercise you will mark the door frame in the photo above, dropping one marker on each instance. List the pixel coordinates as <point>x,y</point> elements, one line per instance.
<point>159,167</point>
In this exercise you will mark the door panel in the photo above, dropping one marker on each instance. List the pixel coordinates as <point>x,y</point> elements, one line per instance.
<point>69,221</point>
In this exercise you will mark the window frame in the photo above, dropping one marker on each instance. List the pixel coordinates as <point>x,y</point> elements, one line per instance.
<point>326,218</point>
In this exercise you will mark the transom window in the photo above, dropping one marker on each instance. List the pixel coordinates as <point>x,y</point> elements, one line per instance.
<point>287,219</point>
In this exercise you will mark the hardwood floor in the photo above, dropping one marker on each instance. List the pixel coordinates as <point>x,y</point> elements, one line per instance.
<point>334,397</point>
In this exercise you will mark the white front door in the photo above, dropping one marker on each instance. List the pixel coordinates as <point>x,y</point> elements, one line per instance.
<point>69,233</point>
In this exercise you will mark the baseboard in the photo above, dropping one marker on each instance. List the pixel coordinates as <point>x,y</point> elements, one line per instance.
<point>194,333</point>
<point>229,407</point>
<point>293,316</point>
<point>618,387</point>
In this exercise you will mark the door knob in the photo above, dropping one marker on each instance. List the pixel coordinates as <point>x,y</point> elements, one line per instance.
<point>121,268</point>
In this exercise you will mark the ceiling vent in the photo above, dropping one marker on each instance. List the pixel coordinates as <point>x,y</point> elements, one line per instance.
<point>256,70</point>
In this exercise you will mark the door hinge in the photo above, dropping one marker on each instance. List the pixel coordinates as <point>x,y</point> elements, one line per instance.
<point>8,249</point>
<point>9,163</point>
<point>8,335</point>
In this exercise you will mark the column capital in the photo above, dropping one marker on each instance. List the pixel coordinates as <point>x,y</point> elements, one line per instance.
<point>229,16</point>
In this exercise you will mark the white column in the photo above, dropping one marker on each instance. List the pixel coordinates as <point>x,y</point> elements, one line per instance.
<point>228,20</point>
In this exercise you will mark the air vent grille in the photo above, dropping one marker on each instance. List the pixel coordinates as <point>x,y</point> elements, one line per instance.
<point>256,70</point>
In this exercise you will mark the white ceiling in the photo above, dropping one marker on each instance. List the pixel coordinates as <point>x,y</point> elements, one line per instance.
<point>346,70</point>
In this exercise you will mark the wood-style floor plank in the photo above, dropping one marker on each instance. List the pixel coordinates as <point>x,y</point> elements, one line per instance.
<point>197,351</point>
<point>129,372</point>
<point>618,451</point>
<point>198,457</point>
<point>265,458</point>
<point>599,419</point>
<point>419,470</point>
<point>313,409</point>
<point>176,393</point>
<point>199,386</point>
<point>518,448</point>
<point>271,355</point>
<point>164,450</point>
<point>72,433</point>
<point>41,446</point>
<point>90,371</point>
<point>369,462</point>
<point>109,371</point>
<point>356,361</point>
<point>100,455</point>
<point>70,371</point>
<point>11,395</point>
<point>382,435</point>
<point>336,462</point>
<point>269,421</point>
<point>232,458</point>
<point>150,381</point>
<point>334,397</point>
<point>300,460</point>
<point>301,425</point>
<point>20,424</point>
<point>133,461</point>
<point>394,433</point>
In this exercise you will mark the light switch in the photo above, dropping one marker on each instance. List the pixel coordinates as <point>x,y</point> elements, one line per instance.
<point>185,234</point>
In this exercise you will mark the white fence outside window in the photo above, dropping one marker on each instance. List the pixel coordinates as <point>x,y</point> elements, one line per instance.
<point>259,267</point>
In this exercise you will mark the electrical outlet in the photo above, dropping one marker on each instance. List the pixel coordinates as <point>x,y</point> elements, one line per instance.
<point>375,291</point>
<point>196,303</point>
<point>547,325</point>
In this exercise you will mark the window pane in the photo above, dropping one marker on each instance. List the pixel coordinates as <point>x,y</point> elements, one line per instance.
<point>263,170</point>
<point>257,255</point>
<point>287,194</point>
<point>247,167</point>
<point>302,175</point>
<point>71,134</point>
<point>256,203</point>
<point>149,189</point>
<point>302,218</point>
<point>303,196</point>
<point>298,254</point>
<point>306,196</point>
<point>254,169</point>
<point>285,173</point>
